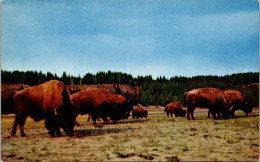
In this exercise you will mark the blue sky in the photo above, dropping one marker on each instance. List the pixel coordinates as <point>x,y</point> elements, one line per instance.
<point>140,37</point>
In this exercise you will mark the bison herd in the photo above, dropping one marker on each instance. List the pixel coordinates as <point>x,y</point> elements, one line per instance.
<point>52,101</point>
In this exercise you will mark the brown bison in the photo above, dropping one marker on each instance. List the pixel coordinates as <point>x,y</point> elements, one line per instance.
<point>49,101</point>
<point>236,100</point>
<point>139,112</point>
<point>175,108</point>
<point>100,103</point>
<point>91,101</point>
<point>211,98</point>
<point>121,107</point>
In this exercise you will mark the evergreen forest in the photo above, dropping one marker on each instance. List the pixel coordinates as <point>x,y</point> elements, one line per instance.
<point>152,91</point>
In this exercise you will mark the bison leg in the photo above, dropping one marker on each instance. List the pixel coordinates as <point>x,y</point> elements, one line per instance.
<point>93,117</point>
<point>51,124</point>
<point>213,112</point>
<point>209,113</point>
<point>167,114</point>
<point>19,119</point>
<point>49,127</point>
<point>114,121</point>
<point>171,114</point>
<point>58,133</point>
<point>77,123</point>
<point>104,119</point>
<point>16,122</point>
<point>219,116</point>
<point>21,125</point>
<point>89,116</point>
<point>192,114</point>
<point>188,113</point>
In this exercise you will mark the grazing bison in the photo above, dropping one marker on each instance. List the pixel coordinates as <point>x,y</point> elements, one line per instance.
<point>236,100</point>
<point>100,103</point>
<point>91,102</point>
<point>121,107</point>
<point>211,98</point>
<point>175,108</point>
<point>139,112</point>
<point>49,101</point>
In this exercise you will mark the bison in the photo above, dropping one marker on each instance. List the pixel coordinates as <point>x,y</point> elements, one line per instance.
<point>49,101</point>
<point>139,112</point>
<point>211,98</point>
<point>121,107</point>
<point>91,101</point>
<point>175,108</point>
<point>236,100</point>
<point>100,103</point>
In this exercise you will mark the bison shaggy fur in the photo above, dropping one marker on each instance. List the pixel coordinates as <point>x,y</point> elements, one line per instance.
<point>236,101</point>
<point>175,108</point>
<point>49,101</point>
<point>212,98</point>
<point>100,103</point>
<point>139,112</point>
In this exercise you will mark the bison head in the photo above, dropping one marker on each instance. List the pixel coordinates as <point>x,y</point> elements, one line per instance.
<point>128,104</point>
<point>183,113</point>
<point>247,106</point>
<point>120,112</point>
<point>145,113</point>
<point>67,115</point>
<point>124,109</point>
<point>126,115</point>
<point>226,113</point>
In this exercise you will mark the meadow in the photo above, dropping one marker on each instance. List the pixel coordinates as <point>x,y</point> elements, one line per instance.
<point>156,138</point>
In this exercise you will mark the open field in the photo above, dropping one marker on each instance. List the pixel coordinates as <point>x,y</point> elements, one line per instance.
<point>156,138</point>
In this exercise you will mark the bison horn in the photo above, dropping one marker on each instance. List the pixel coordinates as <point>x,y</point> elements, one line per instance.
<point>58,110</point>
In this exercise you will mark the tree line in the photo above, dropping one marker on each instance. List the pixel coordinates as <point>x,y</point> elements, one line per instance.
<point>162,91</point>
<point>159,91</point>
<point>34,78</point>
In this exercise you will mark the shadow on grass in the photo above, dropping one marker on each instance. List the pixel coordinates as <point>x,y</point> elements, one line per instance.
<point>97,132</point>
<point>238,115</point>
<point>244,116</point>
<point>132,121</point>
<point>118,122</point>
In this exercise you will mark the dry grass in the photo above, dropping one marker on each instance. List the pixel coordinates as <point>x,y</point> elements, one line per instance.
<point>157,138</point>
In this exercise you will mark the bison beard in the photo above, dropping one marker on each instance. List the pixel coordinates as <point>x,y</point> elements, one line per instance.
<point>49,101</point>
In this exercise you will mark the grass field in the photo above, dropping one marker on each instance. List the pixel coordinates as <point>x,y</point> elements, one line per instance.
<point>156,138</point>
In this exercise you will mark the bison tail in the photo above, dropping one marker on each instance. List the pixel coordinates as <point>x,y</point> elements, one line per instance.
<point>185,98</point>
<point>12,96</point>
<point>13,93</point>
<point>165,109</point>
<point>13,105</point>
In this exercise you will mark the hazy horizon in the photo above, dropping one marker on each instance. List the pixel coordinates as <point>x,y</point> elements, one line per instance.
<point>159,38</point>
